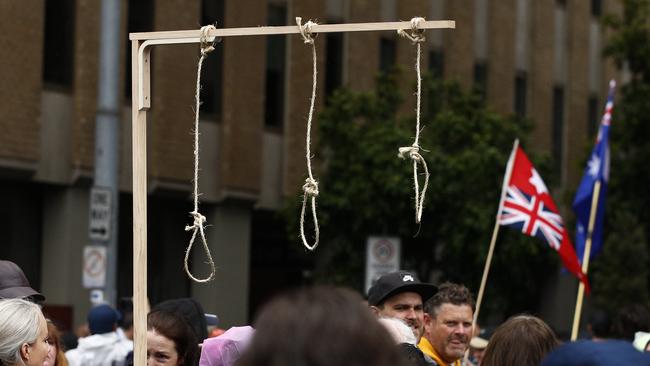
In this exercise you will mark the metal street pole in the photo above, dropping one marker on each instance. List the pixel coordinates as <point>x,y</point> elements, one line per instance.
<point>104,230</point>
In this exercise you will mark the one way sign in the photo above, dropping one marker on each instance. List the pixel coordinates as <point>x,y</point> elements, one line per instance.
<point>100,214</point>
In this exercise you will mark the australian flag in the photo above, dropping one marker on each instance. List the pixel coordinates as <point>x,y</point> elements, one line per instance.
<point>597,171</point>
<point>527,206</point>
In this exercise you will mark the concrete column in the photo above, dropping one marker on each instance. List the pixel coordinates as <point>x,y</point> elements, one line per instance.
<point>361,68</point>
<point>609,69</point>
<point>173,84</point>
<point>228,236</point>
<point>501,55</point>
<point>541,74</point>
<point>86,72</point>
<point>65,233</point>
<point>559,301</point>
<point>407,53</point>
<point>244,67</point>
<point>577,89</point>
<point>459,52</point>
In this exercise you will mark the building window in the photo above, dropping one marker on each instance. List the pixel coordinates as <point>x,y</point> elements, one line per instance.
<point>520,94</point>
<point>387,54</point>
<point>592,116</point>
<point>596,8</point>
<point>212,12</point>
<point>58,53</point>
<point>480,78</point>
<point>275,68</point>
<point>140,19</point>
<point>436,63</point>
<point>558,129</point>
<point>333,62</point>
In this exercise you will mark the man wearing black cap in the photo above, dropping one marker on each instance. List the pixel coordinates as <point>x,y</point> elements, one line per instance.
<point>401,295</point>
<point>14,284</point>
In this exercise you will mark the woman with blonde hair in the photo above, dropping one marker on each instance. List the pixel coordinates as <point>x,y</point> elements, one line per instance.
<point>23,334</point>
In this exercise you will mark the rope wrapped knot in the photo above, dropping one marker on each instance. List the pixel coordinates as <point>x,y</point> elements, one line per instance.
<point>206,46</point>
<point>413,152</point>
<point>417,34</point>
<point>310,188</point>
<point>199,220</point>
<point>409,152</point>
<point>306,30</point>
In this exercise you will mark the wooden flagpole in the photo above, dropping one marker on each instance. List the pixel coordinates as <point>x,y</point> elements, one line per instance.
<point>141,44</point>
<point>585,261</point>
<point>495,231</point>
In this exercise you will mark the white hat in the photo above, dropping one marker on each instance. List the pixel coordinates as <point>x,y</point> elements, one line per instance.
<point>641,340</point>
<point>478,343</point>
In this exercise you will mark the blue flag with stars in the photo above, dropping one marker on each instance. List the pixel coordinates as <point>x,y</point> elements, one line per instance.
<point>597,170</point>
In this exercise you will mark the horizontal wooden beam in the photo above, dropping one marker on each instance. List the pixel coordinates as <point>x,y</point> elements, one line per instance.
<point>193,36</point>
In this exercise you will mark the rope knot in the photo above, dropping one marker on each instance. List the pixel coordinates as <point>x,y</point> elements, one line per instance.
<point>410,152</point>
<point>310,187</point>
<point>417,34</point>
<point>199,221</point>
<point>206,46</point>
<point>306,30</point>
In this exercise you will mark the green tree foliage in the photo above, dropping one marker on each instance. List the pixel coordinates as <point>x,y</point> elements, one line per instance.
<point>366,190</point>
<point>621,273</point>
<point>620,276</point>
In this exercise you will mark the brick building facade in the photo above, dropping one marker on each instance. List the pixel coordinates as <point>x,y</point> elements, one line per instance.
<point>537,58</point>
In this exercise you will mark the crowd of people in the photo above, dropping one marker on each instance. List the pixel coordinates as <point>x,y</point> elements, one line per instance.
<point>401,322</point>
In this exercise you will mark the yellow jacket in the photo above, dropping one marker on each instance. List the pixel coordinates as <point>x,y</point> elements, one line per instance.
<point>426,348</point>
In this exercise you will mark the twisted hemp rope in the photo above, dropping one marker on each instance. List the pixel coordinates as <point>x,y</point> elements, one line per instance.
<point>413,152</point>
<point>310,188</point>
<point>199,220</point>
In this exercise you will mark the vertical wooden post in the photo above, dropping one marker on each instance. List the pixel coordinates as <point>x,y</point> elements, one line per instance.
<point>585,261</point>
<point>139,131</point>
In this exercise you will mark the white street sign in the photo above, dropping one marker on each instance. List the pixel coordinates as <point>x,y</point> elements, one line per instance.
<point>96,297</point>
<point>94,266</point>
<point>99,226</point>
<point>383,255</point>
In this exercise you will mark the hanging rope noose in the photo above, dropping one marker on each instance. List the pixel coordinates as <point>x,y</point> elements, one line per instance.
<point>413,152</point>
<point>199,220</point>
<point>310,188</point>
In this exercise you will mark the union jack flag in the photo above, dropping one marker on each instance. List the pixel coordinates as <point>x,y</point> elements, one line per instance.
<point>526,205</point>
<point>530,215</point>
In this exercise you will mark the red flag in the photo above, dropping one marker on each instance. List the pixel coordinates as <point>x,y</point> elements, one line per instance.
<point>528,207</point>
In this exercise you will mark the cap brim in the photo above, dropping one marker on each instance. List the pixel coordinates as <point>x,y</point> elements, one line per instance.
<point>425,290</point>
<point>211,319</point>
<point>21,293</point>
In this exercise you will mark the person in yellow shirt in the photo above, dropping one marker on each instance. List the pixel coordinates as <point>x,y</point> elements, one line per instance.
<point>401,295</point>
<point>447,324</point>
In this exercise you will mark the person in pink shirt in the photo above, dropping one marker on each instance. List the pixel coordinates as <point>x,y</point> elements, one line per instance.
<point>226,349</point>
